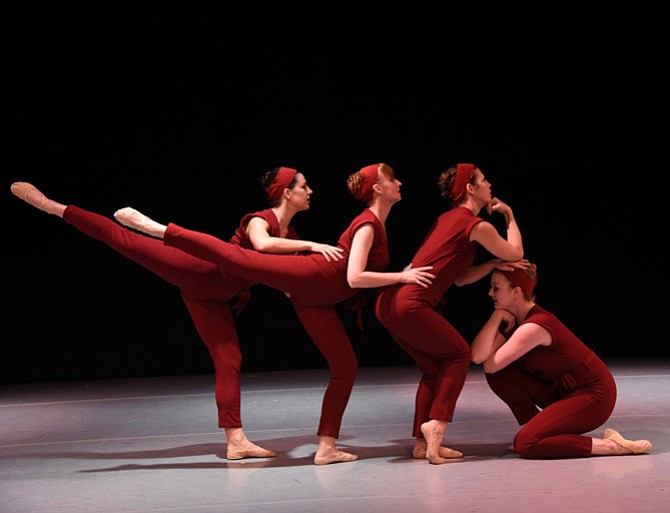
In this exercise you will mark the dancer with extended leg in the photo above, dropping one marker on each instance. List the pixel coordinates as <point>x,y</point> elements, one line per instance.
<point>207,291</point>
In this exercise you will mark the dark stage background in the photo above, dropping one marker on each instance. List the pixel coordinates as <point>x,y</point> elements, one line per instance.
<point>176,117</point>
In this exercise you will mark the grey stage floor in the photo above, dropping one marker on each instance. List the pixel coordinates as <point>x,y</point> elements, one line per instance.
<point>152,445</point>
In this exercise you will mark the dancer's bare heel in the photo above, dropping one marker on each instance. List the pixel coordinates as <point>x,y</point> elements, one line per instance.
<point>34,197</point>
<point>624,445</point>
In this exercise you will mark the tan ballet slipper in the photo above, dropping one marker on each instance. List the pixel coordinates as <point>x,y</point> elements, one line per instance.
<point>631,446</point>
<point>335,456</point>
<point>136,220</point>
<point>131,218</point>
<point>249,451</point>
<point>36,198</point>
<point>445,452</point>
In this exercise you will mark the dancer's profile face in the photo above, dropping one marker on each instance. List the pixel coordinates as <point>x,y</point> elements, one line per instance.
<point>389,184</point>
<point>300,193</point>
<point>481,186</point>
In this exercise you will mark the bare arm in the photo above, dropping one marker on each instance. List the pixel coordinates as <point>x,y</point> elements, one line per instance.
<point>489,346</point>
<point>258,230</point>
<point>358,277</point>
<point>486,234</point>
<point>489,339</point>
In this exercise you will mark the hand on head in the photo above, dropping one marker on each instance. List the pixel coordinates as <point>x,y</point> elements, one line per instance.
<point>510,265</point>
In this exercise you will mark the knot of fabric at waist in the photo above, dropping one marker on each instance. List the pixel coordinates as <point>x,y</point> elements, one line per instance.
<point>356,304</point>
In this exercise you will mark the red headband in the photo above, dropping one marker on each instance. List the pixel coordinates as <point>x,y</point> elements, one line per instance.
<point>522,279</point>
<point>284,177</point>
<point>370,175</point>
<point>464,173</point>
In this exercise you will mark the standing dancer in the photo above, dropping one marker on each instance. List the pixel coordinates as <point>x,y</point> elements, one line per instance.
<point>411,314</point>
<point>207,291</point>
<point>314,284</point>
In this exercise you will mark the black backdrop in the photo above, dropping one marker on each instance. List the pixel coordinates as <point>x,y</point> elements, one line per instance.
<point>171,115</point>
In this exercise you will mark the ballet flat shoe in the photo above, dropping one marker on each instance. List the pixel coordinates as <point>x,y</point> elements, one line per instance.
<point>250,453</point>
<point>636,446</point>
<point>444,452</point>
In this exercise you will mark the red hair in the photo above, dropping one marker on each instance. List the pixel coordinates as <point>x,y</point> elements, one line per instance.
<point>521,279</point>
